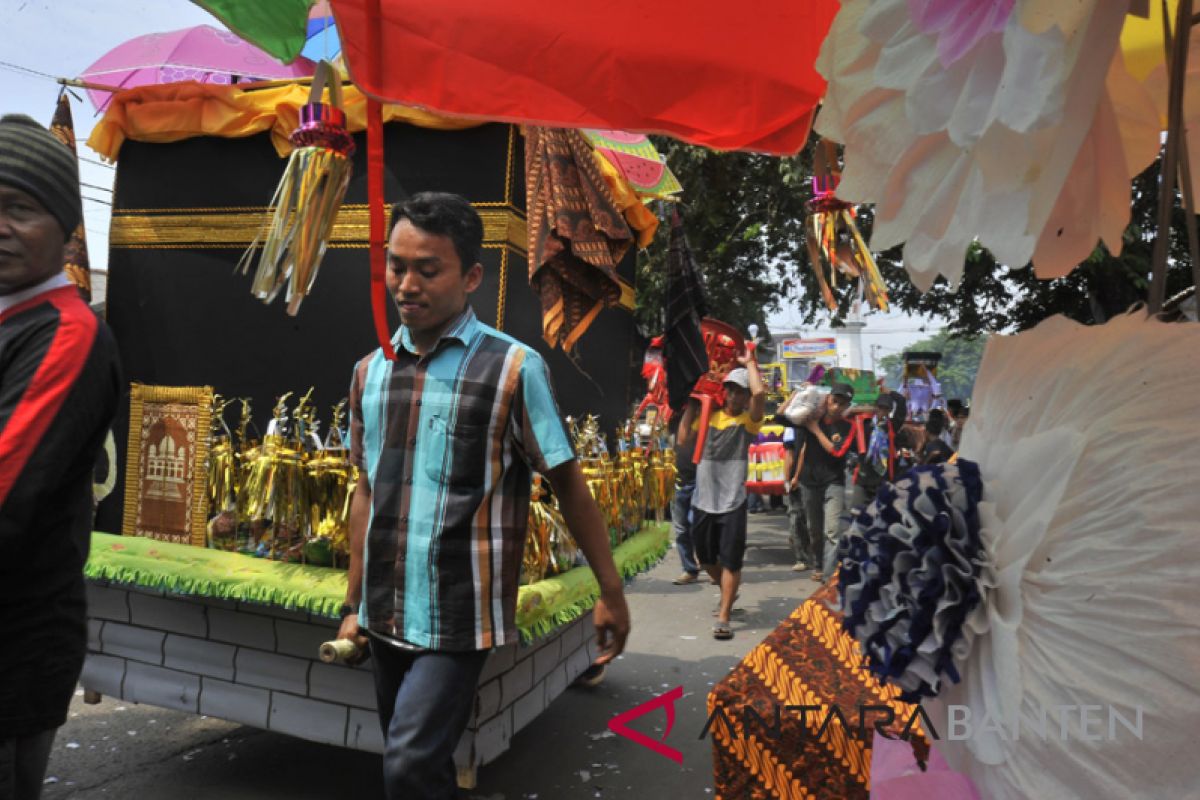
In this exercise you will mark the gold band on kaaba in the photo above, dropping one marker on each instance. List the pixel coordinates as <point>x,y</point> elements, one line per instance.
<point>235,227</point>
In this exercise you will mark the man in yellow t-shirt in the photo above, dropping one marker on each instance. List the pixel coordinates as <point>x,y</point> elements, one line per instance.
<point>719,500</point>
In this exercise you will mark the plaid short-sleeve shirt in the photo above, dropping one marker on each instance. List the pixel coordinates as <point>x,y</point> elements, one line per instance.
<point>448,441</point>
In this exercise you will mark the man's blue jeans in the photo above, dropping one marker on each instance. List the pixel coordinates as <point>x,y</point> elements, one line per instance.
<point>425,700</point>
<point>681,523</point>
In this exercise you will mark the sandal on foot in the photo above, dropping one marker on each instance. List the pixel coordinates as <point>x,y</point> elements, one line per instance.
<point>818,576</point>
<point>722,631</point>
<point>685,579</point>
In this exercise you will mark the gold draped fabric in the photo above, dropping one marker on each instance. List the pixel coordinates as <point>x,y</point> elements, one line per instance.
<point>173,112</point>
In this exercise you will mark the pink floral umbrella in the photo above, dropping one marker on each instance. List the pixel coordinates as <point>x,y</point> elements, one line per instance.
<point>203,54</point>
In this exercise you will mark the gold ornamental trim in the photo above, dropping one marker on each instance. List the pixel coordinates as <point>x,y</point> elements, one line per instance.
<point>237,227</point>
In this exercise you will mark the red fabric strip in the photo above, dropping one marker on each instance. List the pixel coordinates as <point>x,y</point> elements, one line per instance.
<point>51,384</point>
<point>891,451</point>
<point>375,199</point>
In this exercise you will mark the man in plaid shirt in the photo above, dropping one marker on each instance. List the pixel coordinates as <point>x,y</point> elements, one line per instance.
<point>446,437</point>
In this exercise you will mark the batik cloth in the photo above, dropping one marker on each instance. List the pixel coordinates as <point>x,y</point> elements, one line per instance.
<point>807,661</point>
<point>577,235</point>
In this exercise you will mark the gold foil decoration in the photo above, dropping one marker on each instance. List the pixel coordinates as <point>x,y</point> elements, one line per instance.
<point>331,483</point>
<point>306,202</point>
<point>222,480</point>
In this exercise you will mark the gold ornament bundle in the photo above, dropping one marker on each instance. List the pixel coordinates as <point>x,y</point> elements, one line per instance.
<point>549,547</point>
<point>222,480</point>
<point>331,481</point>
<point>639,481</point>
<point>288,497</point>
<point>307,199</point>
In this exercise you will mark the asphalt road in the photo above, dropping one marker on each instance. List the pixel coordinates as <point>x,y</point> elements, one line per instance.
<point>123,750</point>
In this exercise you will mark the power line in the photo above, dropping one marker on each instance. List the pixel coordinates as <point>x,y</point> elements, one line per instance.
<point>94,186</point>
<point>97,163</point>
<point>18,68</point>
<point>94,200</point>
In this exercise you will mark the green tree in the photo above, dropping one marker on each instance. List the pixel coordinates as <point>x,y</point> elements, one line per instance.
<point>959,365</point>
<point>744,215</point>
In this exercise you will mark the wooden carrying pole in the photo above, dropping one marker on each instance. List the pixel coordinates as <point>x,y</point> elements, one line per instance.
<point>1177,65</point>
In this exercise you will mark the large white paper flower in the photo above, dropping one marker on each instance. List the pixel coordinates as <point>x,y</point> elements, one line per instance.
<point>1088,445</point>
<point>1012,123</point>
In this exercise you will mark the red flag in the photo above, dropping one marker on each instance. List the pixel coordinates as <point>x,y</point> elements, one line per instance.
<point>75,254</point>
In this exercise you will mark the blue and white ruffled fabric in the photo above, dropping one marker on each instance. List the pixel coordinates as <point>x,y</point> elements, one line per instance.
<point>913,573</point>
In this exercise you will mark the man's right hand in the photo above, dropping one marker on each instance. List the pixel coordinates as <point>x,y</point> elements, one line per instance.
<point>349,630</point>
<point>611,616</point>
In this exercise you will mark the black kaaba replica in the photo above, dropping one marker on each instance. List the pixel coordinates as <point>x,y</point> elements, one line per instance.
<point>185,212</point>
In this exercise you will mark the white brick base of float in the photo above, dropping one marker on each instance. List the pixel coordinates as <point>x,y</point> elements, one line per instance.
<point>256,665</point>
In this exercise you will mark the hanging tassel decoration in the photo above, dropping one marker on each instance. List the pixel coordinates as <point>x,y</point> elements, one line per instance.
<point>307,200</point>
<point>833,239</point>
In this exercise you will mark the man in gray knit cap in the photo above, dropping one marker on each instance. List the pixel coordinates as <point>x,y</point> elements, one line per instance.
<point>59,388</point>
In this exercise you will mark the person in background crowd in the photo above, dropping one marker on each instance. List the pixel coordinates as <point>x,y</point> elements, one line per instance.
<point>959,412</point>
<point>823,476</point>
<point>60,383</point>
<point>797,520</point>
<point>681,505</point>
<point>935,450</point>
<point>886,440</point>
<point>719,502</point>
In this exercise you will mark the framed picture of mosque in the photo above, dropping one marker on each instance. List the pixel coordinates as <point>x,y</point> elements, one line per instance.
<point>166,472</point>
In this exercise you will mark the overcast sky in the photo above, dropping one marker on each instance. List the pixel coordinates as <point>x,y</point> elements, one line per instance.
<point>61,39</point>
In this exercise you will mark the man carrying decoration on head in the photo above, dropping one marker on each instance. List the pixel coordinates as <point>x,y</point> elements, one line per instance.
<point>59,387</point>
<point>719,502</point>
<point>823,476</point>
<point>446,437</point>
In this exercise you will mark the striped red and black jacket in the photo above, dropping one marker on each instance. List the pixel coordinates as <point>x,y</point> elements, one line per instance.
<point>59,387</point>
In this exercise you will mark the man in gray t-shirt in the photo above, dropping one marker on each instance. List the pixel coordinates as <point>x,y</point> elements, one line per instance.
<point>719,501</point>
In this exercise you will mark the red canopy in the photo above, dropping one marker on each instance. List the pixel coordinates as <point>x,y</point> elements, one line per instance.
<point>707,72</point>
